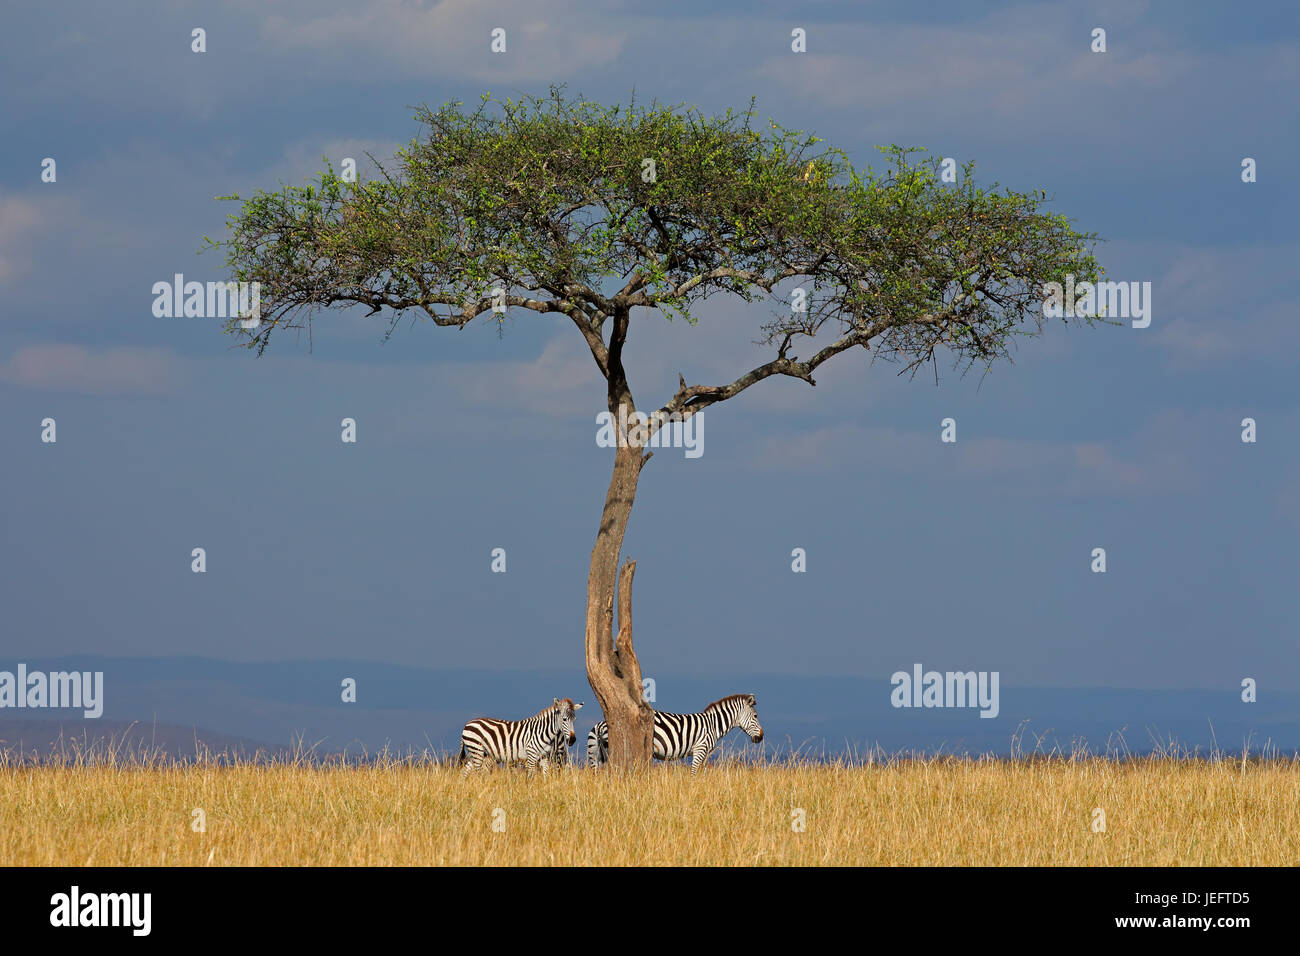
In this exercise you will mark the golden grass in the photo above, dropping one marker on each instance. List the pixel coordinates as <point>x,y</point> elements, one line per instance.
<point>949,812</point>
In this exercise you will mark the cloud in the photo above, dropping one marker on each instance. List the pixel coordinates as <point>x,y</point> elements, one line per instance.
<point>1028,70</point>
<point>1217,303</point>
<point>1024,466</point>
<point>452,38</point>
<point>75,368</point>
<point>142,64</point>
<point>20,219</point>
<point>562,382</point>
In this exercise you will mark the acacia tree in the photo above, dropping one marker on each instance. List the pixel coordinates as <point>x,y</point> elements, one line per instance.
<point>568,208</point>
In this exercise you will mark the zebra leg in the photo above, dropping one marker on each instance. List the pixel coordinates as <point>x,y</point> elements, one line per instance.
<point>698,756</point>
<point>473,760</point>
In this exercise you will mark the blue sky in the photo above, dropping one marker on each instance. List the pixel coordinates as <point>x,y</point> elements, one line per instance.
<point>966,556</point>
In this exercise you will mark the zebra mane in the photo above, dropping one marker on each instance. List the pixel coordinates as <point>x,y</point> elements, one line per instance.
<point>565,702</point>
<point>726,700</point>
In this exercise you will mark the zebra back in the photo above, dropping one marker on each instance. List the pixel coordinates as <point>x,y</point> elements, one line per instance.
<point>681,735</point>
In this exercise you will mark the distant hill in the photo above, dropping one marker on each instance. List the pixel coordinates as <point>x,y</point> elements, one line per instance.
<point>25,739</point>
<point>276,706</point>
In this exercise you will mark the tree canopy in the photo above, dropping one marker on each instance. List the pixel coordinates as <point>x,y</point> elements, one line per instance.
<point>567,206</point>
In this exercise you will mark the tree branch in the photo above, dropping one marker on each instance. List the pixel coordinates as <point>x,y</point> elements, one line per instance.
<point>690,399</point>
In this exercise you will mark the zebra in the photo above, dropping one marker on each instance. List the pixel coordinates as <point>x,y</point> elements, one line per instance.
<point>677,736</point>
<point>535,741</point>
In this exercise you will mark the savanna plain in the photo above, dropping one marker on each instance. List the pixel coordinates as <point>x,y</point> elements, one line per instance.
<point>1148,811</point>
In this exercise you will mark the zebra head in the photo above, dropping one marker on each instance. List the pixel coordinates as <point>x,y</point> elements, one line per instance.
<point>747,718</point>
<point>562,712</point>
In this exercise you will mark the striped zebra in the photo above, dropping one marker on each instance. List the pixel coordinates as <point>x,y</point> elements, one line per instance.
<point>678,736</point>
<point>535,741</point>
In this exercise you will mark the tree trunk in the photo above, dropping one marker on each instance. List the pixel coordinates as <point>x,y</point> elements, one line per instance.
<point>613,670</point>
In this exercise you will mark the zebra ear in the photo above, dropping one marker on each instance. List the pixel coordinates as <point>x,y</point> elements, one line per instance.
<point>577,707</point>
<point>556,701</point>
